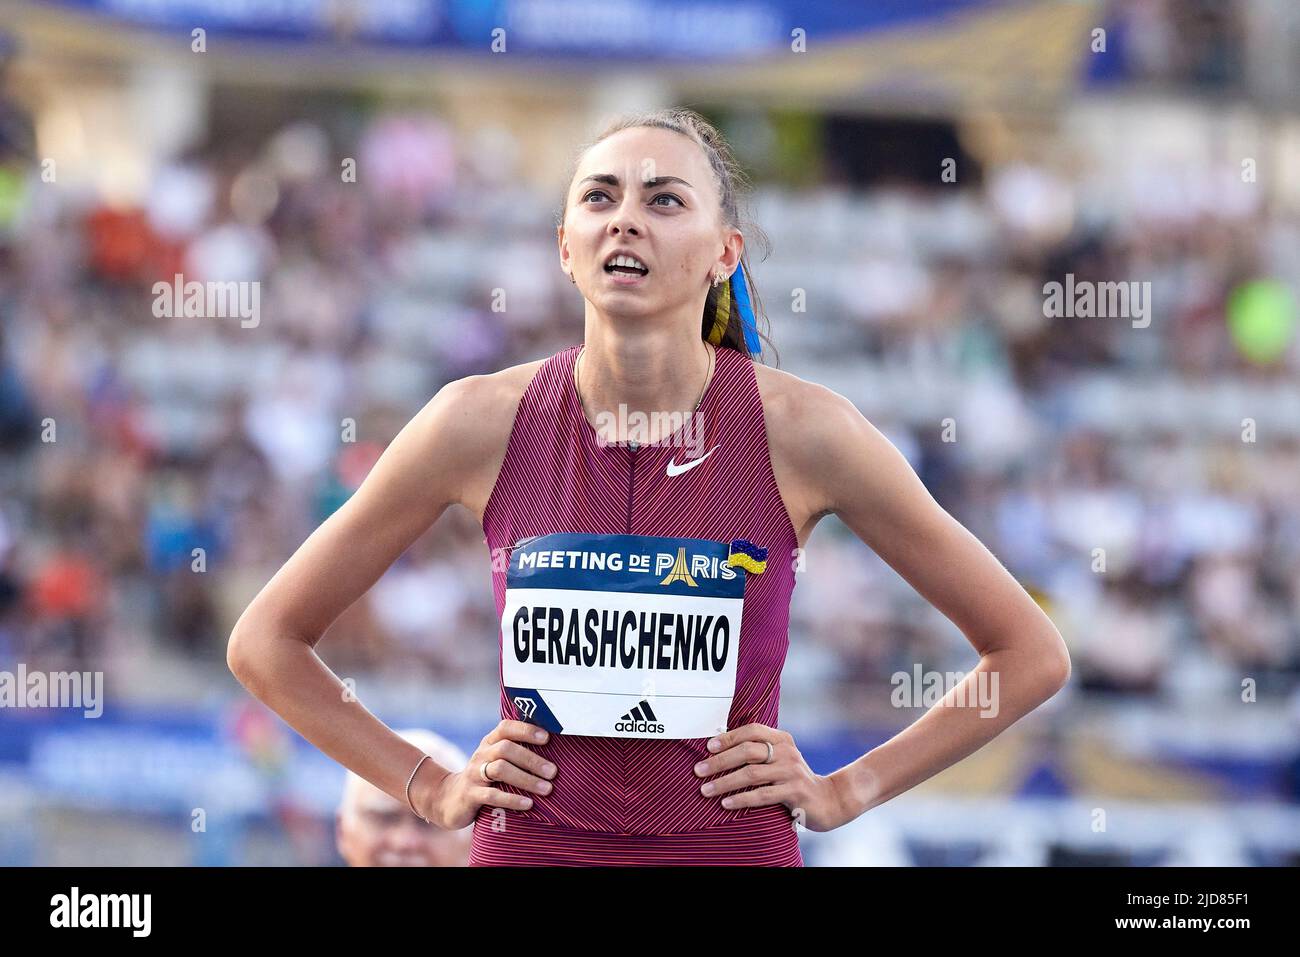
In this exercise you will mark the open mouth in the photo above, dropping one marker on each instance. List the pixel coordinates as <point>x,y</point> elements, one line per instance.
<point>623,265</point>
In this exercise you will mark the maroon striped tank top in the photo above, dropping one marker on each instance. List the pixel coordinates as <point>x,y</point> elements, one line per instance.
<point>637,801</point>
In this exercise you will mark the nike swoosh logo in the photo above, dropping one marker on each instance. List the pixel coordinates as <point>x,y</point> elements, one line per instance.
<point>675,469</point>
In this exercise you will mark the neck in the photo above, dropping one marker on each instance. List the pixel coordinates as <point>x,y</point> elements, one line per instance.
<point>632,384</point>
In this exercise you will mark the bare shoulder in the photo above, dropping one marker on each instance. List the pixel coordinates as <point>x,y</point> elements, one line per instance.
<point>475,415</point>
<point>494,395</point>
<point>802,420</point>
<point>787,395</point>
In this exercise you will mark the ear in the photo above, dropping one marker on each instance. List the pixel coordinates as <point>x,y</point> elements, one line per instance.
<point>732,249</point>
<point>564,247</point>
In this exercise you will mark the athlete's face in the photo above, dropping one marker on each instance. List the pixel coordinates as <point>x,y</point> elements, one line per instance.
<point>374,830</point>
<point>653,192</point>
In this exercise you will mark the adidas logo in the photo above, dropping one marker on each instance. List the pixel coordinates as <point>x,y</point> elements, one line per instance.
<point>641,718</point>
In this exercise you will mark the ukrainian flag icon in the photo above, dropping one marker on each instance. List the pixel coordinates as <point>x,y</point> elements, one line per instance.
<point>747,555</point>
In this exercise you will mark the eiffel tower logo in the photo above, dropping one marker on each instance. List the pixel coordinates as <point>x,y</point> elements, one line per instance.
<point>679,572</point>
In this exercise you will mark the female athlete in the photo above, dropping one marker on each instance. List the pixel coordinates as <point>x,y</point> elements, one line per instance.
<point>643,496</point>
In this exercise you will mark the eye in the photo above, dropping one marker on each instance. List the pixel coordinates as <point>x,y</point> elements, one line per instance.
<point>595,192</point>
<point>675,199</point>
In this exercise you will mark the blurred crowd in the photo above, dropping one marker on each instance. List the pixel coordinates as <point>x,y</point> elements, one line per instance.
<point>1138,475</point>
<point>157,471</point>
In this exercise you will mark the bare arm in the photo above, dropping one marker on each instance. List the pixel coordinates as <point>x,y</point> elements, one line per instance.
<point>436,460</point>
<point>866,481</point>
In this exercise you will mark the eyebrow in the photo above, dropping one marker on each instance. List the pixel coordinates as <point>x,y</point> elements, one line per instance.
<point>612,180</point>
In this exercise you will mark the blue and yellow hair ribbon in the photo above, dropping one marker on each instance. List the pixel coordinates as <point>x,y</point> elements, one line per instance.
<point>747,555</point>
<point>740,292</point>
<point>735,290</point>
<point>721,314</point>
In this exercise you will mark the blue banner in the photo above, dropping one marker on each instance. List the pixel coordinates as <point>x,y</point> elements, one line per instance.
<point>600,29</point>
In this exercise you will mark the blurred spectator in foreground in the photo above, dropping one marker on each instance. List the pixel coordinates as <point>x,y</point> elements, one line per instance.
<point>374,829</point>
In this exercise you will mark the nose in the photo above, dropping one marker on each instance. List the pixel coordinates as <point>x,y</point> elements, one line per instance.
<point>409,838</point>
<point>626,218</point>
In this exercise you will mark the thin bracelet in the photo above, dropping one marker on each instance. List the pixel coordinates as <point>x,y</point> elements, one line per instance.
<point>408,791</point>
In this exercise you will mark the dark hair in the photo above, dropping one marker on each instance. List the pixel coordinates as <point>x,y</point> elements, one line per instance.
<point>733,191</point>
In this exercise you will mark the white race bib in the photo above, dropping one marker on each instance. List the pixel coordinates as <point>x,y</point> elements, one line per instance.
<point>622,636</point>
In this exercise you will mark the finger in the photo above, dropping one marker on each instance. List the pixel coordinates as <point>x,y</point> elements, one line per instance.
<point>521,757</point>
<point>509,730</point>
<point>727,739</point>
<point>495,797</point>
<point>745,752</point>
<point>759,797</point>
<point>745,777</point>
<point>502,771</point>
